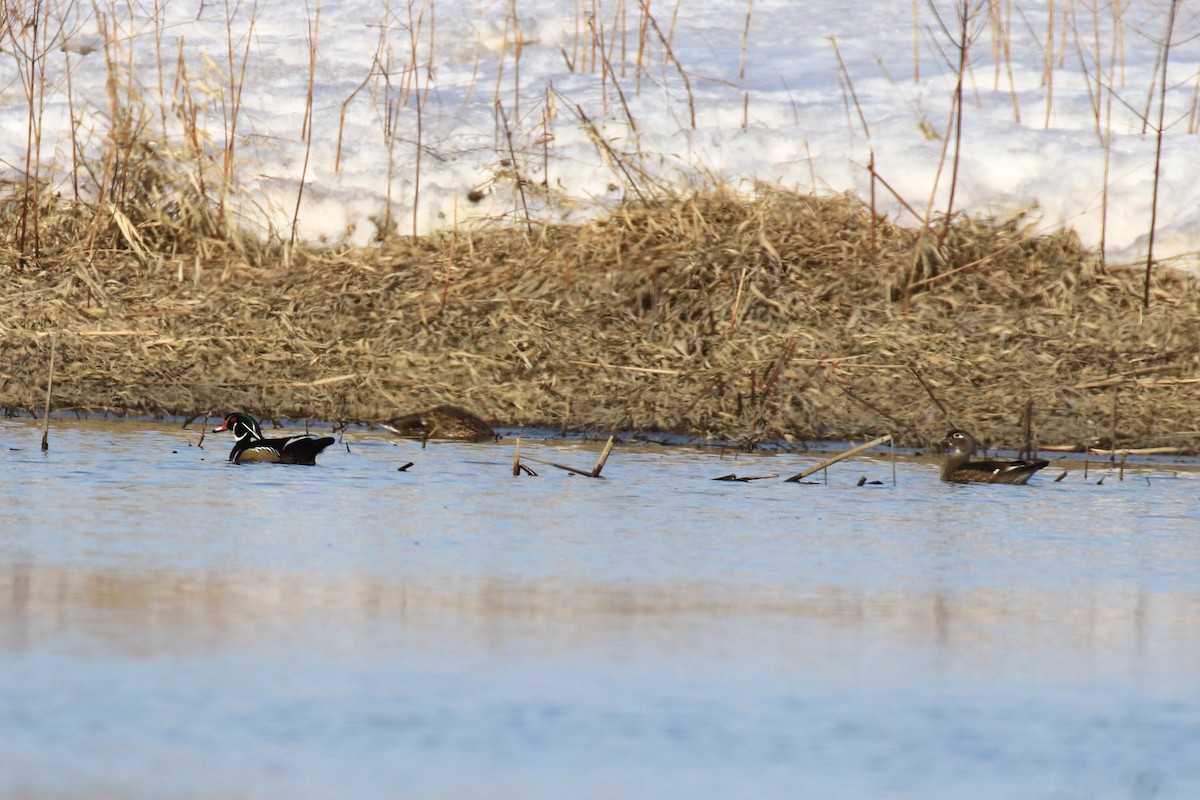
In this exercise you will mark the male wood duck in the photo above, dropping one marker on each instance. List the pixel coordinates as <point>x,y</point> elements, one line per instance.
<point>251,446</point>
<point>442,422</point>
<point>959,468</point>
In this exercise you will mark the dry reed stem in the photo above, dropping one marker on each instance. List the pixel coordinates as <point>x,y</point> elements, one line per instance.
<point>1159,131</point>
<point>666,43</point>
<point>312,30</point>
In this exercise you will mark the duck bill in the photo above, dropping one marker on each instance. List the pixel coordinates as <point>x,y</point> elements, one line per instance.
<point>224,427</point>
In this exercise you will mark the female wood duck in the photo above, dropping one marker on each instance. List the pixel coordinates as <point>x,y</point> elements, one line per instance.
<point>959,468</point>
<point>251,446</point>
<point>442,422</point>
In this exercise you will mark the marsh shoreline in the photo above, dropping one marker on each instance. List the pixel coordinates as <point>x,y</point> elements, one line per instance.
<point>782,318</point>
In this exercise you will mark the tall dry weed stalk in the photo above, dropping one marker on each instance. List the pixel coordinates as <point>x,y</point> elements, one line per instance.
<point>609,74</point>
<point>1108,88</point>
<point>313,32</point>
<point>962,45</point>
<point>742,64</point>
<point>518,179</point>
<point>1159,130</point>
<point>665,41</point>
<point>67,22</point>
<point>1048,63</point>
<point>512,39</point>
<point>1000,14</point>
<point>30,38</point>
<point>414,72</point>
<point>233,104</point>
<point>961,38</point>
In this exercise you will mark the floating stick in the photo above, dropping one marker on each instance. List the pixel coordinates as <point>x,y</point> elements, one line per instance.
<point>583,472</point>
<point>746,478</point>
<point>887,437</point>
<point>595,471</point>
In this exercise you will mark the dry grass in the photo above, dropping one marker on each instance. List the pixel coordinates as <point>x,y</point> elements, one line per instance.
<point>754,319</point>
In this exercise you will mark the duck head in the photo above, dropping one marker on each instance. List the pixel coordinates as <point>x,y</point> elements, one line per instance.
<point>242,425</point>
<point>959,443</point>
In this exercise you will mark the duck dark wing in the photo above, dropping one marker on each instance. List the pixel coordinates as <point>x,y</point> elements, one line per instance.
<point>412,425</point>
<point>1010,472</point>
<point>301,449</point>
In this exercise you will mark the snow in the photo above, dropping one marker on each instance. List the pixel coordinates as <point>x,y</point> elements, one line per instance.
<point>789,118</point>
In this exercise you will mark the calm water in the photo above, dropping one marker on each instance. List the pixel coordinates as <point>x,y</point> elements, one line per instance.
<point>174,626</point>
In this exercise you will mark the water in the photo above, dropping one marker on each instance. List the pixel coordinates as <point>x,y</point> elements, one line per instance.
<point>174,626</point>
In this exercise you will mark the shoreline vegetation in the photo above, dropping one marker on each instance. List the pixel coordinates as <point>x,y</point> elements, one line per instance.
<point>752,315</point>
<point>777,317</point>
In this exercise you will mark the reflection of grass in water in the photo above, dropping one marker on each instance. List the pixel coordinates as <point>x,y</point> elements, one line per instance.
<point>217,608</point>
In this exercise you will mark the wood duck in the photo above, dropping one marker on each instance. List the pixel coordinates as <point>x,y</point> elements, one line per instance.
<point>442,422</point>
<point>959,468</point>
<point>251,446</point>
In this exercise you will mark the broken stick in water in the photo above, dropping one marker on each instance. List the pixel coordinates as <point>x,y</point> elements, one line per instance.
<point>608,446</point>
<point>49,390</point>
<point>887,437</point>
<point>595,471</point>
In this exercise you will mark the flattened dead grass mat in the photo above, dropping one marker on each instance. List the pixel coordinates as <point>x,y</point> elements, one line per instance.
<point>783,316</point>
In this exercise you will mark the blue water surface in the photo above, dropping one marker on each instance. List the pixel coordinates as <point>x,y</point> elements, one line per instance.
<point>175,626</point>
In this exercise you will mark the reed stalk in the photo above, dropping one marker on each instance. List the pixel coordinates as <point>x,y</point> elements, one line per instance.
<point>916,36</point>
<point>1107,88</point>
<point>607,71</point>
<point>1048,63</point>
<point>429,56</point>
<point>392,105</point>
<point>745,40</point>
<point>29,42</point>
<point>159,64</point>
<point>666,44</point>
<point>517,178</point>
<point>609,50</point>
<point>312,33</point>
<point>510,33</point>
<point>49,394</point>
<point>414,74</point>
<point>237,80</point>
<point>1159,131</point>
<point>622,12</point>
<point>963,45</point>
<point>475,62</point>
<point>643,30</point>
<point>77,156</point>
<point>1006,37</point>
